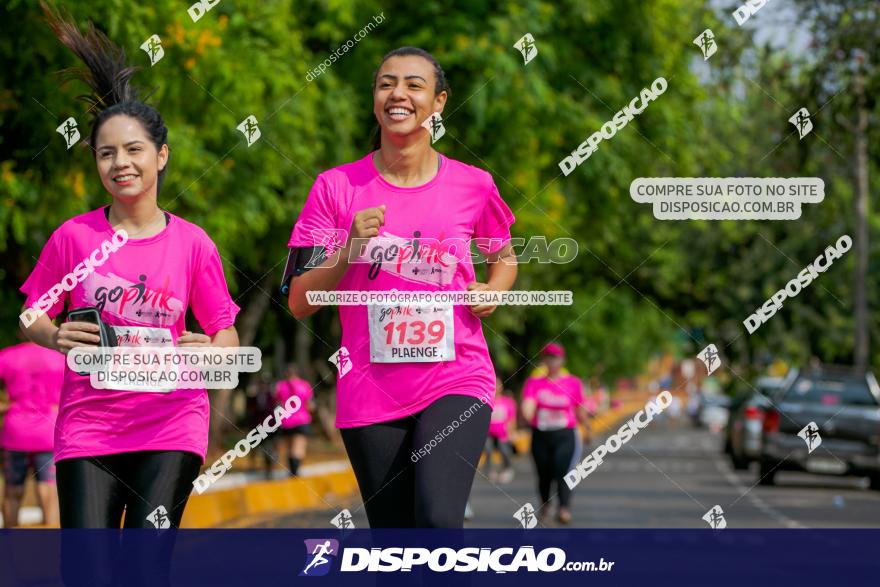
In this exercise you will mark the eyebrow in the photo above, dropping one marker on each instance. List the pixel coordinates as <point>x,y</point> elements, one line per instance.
<point>410,76</point>
<point>128,144</point>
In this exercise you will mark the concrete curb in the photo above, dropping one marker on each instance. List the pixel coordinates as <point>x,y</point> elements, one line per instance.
<point>219,508</point>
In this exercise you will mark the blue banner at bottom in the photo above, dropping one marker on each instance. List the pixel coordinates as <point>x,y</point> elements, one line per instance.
<point>154,558</point>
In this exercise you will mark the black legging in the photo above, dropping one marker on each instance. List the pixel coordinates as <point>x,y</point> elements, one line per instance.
<point>503,447</point>
<point>94,491</point>
<point>553,451</point>
<point>432,491</point>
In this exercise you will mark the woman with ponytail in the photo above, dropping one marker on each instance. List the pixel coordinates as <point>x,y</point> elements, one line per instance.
<point>120,451</point>
<point>414,407</point>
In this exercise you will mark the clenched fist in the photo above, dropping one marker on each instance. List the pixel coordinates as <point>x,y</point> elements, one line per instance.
<point>366,223</point>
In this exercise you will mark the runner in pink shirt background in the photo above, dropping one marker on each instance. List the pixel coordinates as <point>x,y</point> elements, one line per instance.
<point>553,404</point>
<point>413,370</point>
<point>501,425</point>
<point>296,428</point>
<point>128,451</point>
<point>31,377</point>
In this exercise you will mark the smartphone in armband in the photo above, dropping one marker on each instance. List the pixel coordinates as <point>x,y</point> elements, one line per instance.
<point>93,316</point>
<point>300,260</point>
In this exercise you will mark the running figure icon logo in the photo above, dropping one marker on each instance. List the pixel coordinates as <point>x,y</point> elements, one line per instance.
<point>526,46</point>
<point>250,130</point>
<point>526,516</point>
<point>342,360</point>
<point>801,121</point>
<point>434,125</point>
<point>706,42</point>
<point>159,518</point>
<point>810,434</point>
<point>715,518</point>
<point>153,48</point>
<point>69,131</point>
<point>343,520</point>
<point>319,554</point>
<point>709,356</point>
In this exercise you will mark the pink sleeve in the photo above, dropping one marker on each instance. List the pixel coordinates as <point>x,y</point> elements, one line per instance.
<point>211,303</point>
<point>529,389</point>
<point>492,230</point>
<point>317,223</point>
<point>48,272</point>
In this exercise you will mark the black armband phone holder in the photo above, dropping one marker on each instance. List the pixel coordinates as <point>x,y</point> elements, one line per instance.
<point>93,315</point>
<point>300,260</point>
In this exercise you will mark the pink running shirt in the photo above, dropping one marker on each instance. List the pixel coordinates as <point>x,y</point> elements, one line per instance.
<point>32,375</point>
<point>403,358</point>
<point>143,290</point>
<point>555,401</point>
<point>299,387</point>
<point>504,412</point>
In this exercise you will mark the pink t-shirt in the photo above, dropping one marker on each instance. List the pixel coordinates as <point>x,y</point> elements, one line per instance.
<point>299,387</point>
<point>32,375</point>
<point>503,412</point>
<point>145,287</point>
<point>555,401</point>
<point>404,358</point>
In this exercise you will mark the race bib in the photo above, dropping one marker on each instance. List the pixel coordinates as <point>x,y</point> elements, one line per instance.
<point>142,336</point>
<point>411,333</point>
<point>147,371</point>
<point>552,419</point>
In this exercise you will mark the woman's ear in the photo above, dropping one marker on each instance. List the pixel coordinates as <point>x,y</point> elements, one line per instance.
<point>163,157</point>
<point>440,101</point>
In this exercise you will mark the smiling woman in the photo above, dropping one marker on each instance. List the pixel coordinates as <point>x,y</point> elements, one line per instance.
<point>119,450</point>
<point>415,368</point>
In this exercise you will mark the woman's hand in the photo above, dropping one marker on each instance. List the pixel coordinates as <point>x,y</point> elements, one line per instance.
<point>366,223</point>
<point>193,339</point>
<point>481,310</point>
<point>74,334</point>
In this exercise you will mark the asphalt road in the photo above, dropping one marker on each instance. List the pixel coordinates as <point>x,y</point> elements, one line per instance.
<point>667,476</point>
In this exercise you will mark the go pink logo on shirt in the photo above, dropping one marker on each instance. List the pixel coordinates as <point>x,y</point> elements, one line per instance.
<point>134,301</point>
<point>551,399</point>
<point>421,261</point>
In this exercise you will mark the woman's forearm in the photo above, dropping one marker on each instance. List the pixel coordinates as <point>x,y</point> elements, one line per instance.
<point>41,332</point>
<point>325,277</point>
<point>501,276</point>
<point>225,337</point>
<point>502,269</point>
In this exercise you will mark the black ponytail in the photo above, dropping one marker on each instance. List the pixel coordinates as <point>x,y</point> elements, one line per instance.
<point>440,84</point>
<point>109,79</point>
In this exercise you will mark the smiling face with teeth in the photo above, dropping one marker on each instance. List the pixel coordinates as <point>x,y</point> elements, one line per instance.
<point>127,159</point>
<point>404,96</point>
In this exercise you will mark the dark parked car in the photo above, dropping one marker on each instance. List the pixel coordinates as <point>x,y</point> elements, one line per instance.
<point>838,411</point>
<point>742,438</point>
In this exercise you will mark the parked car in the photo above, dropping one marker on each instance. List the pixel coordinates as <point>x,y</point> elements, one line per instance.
<point>742,436</point>
<point>838,411</point>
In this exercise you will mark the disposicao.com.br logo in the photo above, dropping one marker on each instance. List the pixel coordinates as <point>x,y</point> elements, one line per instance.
<point>440,560</point>
<point>319,556</point>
